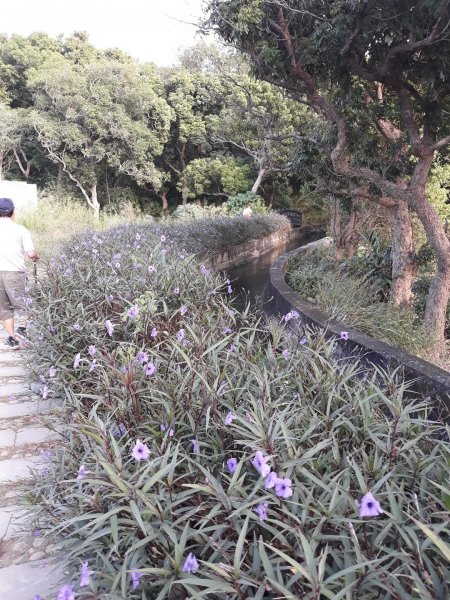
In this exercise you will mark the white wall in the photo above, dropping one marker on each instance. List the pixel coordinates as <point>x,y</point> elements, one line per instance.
<point>23,194</point>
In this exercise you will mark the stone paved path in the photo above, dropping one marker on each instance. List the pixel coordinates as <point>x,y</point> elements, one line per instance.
<point>26,429</point>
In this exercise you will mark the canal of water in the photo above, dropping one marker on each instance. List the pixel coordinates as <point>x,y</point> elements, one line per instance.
<point>250,280</point>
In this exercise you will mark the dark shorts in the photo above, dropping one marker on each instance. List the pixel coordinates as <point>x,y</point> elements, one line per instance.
<point>12,293</point>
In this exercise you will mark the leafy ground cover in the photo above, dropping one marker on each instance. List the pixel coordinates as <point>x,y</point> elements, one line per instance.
<point>209,454</point>
<point>356,294</point>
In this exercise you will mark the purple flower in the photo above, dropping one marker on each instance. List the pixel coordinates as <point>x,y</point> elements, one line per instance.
<point>176,290</point>
<point>164,427</point>
<point>82,472</point>
<point>66,593</point>
<point>93,365</point>
<point>52,372</point>
<point>204,270</point>
<point>260,463</point>
<point>271,480</point>
<point>232,465</point>
<point>230,289</point>
<point>283,488</point>
<point>229,419</point>
<point>344,335</point>
<point>369,506</point>
<point>286,354</point>
<point>195,447</point>
<point>133,312</point>
<point>227,330</point>
<point>183,310</point>
<point>77,327</point>
<point>142,357</point>
<point>154,332</point>
<point>232,348</point>
<point>163,238</point>
<point>140,451</point>
<point>181,335</point>
<point>303,341</point>
<point>109,327</point>
<point>150,369</point>
<point>135,577</point>
<point>261,510</point>
<point>287,317</point>
<point>92,350</point>
<point>190,564</point>
<point>85,575</point>
<point>76,361</point>
<point>152,269</point>
<point>44,392</point>
<point>110,298</point>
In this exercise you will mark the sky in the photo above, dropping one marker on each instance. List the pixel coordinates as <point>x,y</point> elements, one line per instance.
<point>149,30</point>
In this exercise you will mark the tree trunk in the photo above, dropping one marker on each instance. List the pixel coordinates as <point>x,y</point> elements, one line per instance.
<point>184,195</point>
<point>437,300</point>
<point>262,173</point>
<point>165,204</point>
<point>95,204</point>
<point>402,254</point>
<point>350,236</point>
<point>335,227</point>
<point>2,155</point>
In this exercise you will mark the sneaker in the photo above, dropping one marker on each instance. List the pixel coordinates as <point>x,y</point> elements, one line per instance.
<point>22,331</point>
<point>12,343</point>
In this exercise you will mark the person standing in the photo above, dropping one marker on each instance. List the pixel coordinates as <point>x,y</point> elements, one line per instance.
<point>15,245</point>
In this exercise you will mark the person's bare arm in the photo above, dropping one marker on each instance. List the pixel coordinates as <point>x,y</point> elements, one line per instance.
<point>33,255</point>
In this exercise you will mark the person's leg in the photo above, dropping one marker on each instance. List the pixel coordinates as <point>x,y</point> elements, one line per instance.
<point>14,284</point>
<point>8,324</point>
<point>6,308</point>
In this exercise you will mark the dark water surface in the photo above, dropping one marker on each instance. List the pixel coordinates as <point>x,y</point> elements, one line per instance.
<point>249,280</point>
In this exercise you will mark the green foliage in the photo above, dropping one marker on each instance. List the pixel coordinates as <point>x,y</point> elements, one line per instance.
<point>96,114</point>
<point>355,300</point>
<point>332,433</point>
<point>373,264</point>
<point>438,189</point>
<point>215,176</point>
<point>236,204</point>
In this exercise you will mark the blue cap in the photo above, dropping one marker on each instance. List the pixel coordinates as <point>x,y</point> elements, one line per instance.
<point>6,206</point>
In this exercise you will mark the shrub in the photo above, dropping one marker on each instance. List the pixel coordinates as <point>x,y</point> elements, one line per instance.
<point>195,211</point>
<point>236,204</point>
<point>200,384</point>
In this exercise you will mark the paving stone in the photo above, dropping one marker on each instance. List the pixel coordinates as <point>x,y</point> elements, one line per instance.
<point>38,406</point>
<point>12,520</point>
<point>7,438</point>
<point>10,357</point>
<point>23,582</point>
<point>14,469</point>
<point>17,370</point>
<point>35,435</point>
<point>17,388</point>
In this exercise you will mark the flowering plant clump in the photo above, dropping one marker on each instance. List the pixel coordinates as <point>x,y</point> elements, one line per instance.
<point>193,471</point>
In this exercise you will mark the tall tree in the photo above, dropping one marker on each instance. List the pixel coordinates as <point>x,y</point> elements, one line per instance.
<point>98,113</point>
<point>393,57</point>
<point>259,122</point>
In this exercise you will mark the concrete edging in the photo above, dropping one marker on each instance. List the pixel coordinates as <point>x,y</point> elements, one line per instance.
<point>242,253</point>
<point>425,378</point>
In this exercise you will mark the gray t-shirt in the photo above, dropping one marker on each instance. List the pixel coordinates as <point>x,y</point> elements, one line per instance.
<point>15,242</point>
